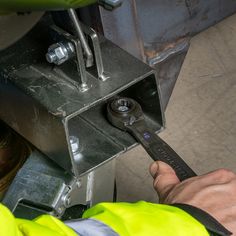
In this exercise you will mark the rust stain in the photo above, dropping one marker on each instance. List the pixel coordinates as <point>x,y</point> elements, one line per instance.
<point>154,52</point>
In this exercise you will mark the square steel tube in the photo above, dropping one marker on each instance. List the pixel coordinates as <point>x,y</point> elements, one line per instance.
<point>41,104</point>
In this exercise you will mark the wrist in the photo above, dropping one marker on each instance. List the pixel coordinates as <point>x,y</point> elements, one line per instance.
<point>211,224</point>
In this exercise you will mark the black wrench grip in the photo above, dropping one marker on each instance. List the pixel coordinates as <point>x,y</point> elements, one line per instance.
<point>159,150</point>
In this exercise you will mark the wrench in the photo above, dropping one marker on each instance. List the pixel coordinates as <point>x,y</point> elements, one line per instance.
<point>127,115</point>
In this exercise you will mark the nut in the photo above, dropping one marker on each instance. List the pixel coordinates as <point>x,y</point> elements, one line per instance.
<point>60,52</point>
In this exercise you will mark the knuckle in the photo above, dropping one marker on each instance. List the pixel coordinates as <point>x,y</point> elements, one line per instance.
<point>225,174</point>
<point>224,171</point>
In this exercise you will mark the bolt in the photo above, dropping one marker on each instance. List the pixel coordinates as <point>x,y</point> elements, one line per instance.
<point>51,57</point>
<point>60,52</point>
<point>74,143</point>
<point>123,108</point>
<point>123,105</point>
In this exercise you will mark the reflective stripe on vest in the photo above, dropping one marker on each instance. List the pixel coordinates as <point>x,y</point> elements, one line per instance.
<point>90,227</point>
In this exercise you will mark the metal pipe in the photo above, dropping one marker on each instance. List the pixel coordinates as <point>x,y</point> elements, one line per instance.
<point>80,34</point>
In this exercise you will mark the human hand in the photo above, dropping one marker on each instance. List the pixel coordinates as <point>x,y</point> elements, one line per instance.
<point>214,192</point>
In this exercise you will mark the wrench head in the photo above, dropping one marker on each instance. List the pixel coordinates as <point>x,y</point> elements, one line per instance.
<point>123,112</point>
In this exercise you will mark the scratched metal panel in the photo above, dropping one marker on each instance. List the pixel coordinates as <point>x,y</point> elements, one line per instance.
<point>164,21</point>
<point>150,30</point>
<point>143,25</point>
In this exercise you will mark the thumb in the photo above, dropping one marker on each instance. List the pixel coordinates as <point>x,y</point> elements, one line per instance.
<point>164,178</point>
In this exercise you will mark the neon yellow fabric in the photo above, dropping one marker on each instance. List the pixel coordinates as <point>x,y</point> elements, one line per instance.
<point>42,5</point>
<point>44,225</point>
<point>146,219</point>
<point>8,224</point>
<point>139,219</point>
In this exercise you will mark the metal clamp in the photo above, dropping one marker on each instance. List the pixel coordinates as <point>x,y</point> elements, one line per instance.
<point>73,46</point>
<point>80,35</point>
<point>61,52</point>
<point>92,34</point>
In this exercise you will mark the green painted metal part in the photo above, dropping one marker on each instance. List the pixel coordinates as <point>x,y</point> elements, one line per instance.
<point>41,5</point>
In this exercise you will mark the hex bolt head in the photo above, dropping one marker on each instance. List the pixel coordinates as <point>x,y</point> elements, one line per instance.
<point>60,52</point>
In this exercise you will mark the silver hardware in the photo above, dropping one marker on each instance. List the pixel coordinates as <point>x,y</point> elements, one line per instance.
<point>59,53</point>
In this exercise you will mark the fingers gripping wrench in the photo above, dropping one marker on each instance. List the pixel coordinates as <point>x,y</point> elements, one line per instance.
<point>126,114</point>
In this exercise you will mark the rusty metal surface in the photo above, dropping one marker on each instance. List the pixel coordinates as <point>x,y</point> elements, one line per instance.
<point>140,26</point>
<point>168,62</point>
<point>147,28</point>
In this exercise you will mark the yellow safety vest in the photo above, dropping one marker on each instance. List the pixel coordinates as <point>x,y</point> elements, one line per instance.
<point>126,219</point>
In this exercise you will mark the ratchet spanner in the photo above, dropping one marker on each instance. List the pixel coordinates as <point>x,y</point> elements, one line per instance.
<point>126,114</point>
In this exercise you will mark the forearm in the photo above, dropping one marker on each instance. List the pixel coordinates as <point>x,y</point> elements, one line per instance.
<point>124,219</point>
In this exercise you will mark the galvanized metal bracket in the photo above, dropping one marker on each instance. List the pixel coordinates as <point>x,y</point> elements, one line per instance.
<point>92,34</point>
<point>43,187</point>
<point>99,65</point>
<point>81,80</point>
<point>48,98</point>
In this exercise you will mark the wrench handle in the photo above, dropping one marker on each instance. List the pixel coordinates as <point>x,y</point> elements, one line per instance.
<point>159,150</point>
